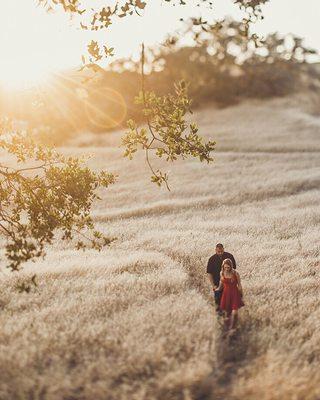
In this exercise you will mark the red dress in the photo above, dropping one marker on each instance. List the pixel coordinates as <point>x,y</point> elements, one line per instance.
<point>231,297</point>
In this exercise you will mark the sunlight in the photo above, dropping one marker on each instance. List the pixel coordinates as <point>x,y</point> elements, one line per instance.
<point>34,44</point>
<point>15,76</point>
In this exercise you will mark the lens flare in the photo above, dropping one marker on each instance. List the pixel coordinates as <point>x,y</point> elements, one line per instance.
<point>105,108</point>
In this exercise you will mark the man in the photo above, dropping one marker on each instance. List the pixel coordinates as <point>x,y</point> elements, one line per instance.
<point>214,269</point>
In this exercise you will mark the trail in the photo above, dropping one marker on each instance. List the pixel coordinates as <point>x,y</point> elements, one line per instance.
<point>232,353</point>
<point>231,356</point>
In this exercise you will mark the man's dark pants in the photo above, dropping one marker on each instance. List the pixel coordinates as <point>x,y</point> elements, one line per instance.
<point>217,298</point>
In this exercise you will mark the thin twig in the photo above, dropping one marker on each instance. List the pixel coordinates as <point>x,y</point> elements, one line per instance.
<point>154,137</point>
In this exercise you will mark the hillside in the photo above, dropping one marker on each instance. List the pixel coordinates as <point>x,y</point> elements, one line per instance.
<point>136,321</point>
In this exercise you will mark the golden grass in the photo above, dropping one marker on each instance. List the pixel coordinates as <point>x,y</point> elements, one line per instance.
<point>136,321</point>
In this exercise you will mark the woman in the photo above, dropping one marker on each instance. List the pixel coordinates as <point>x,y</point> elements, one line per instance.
<point>231,299</point>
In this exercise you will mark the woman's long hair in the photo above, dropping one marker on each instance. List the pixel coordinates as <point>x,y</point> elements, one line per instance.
<point>228,262</point>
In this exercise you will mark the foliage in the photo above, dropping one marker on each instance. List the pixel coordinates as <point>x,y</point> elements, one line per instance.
<point>225,65</point>
<point>103,18</point>
<point>96,19</point>
<point>167,133</point>
<point>47,193</point>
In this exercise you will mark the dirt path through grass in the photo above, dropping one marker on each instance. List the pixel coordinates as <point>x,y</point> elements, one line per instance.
<point>231,353</point>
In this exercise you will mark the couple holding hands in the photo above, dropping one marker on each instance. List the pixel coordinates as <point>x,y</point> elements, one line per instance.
<point>226,284</point>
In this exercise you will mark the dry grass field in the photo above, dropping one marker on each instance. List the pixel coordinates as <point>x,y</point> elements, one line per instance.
<point>136,321</point>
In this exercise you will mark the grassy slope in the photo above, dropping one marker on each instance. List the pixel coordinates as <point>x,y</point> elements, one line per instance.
<point>135,322</point>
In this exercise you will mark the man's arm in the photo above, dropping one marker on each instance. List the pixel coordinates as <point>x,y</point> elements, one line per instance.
<point>210,273</point>
<point>221,281</point>
<point>233,261</point>
<point>211,280</point>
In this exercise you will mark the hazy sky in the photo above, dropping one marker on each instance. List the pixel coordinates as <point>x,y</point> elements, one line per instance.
<point>42,42</point>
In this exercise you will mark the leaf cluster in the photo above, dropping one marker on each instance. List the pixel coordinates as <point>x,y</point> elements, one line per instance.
<point>43,192</point>
<point>167,133</point>
<point>95,18</point>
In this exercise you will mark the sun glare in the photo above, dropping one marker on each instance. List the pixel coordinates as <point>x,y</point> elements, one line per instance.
<point>16,76</point>
<point>33,44</point>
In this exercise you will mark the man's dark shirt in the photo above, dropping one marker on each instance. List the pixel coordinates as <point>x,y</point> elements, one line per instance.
<point>215,263</point>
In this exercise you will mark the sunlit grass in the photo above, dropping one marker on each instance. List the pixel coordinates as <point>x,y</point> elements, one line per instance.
<point>136,321</point>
